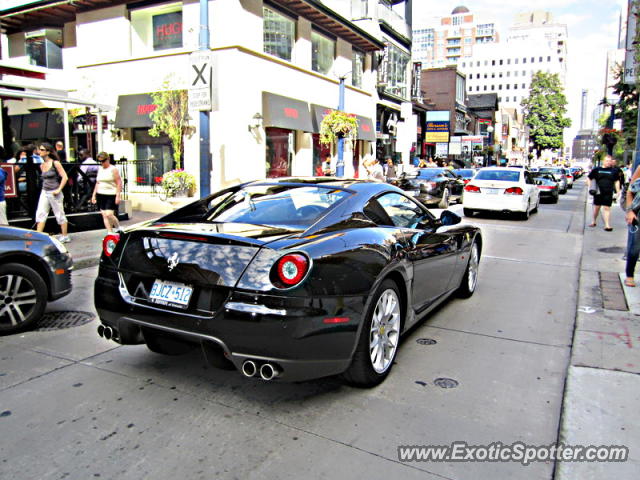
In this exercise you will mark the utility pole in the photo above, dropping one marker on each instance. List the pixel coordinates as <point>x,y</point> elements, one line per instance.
<point>340,161</point>
<point>205,130</point>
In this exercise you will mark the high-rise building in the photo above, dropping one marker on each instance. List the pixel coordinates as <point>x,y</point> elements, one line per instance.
<point>534,43</point>
<point>450,39</point>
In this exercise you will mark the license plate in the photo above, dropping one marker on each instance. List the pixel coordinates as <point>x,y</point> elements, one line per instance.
<point>491,191</point>
<point>170,293</point>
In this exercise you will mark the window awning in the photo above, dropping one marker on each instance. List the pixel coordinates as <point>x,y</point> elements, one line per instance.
<point>365,129</point>
<point>133,111</point>
<point>285,112</point>
<point>318,112</point>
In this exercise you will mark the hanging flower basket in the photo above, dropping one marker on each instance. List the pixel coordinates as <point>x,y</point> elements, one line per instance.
<point>337,124</point>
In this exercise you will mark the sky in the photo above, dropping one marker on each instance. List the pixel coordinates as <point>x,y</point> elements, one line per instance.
<point>592,31</point>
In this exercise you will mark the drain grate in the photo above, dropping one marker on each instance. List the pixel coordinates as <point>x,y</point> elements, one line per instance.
<point>612,294</point>
<point>426,341</point>
<point>62,320</point>
<point>445,383</point>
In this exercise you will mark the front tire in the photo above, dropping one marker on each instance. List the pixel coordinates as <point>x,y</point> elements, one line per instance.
<point>23,298</point>
<point>470,277</point>
<point>379,338</point>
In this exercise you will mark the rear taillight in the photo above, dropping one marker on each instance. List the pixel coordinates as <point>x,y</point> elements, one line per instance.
<point>466,180</point>
<point>291,269</point>
<point>109,243</point>
<point>471,188</point>
<point>546,187</point>
<point>514,191</point>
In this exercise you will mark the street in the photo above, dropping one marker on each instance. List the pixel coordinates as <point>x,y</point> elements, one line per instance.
<point>73,405</point>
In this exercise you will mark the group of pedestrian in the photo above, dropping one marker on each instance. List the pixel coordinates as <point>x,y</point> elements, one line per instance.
<point>101,179</point>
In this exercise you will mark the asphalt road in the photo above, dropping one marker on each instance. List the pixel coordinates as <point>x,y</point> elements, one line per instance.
<point>73,405</point>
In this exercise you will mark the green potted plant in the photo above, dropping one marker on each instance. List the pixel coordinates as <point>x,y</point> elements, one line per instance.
<point>178,183</point>
<point>337,124</point>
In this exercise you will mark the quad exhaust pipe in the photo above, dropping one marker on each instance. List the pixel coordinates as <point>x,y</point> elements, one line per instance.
<point>267,371</point>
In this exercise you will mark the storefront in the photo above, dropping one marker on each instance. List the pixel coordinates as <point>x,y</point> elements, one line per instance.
<point>283,116</point>
<point>153,155</point>
<point>386,133</point>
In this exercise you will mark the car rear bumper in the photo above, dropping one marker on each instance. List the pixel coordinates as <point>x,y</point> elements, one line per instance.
<point>497,203</point>
<point>299,342</point>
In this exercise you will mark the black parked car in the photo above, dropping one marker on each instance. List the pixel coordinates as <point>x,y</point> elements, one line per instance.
<point>433,186</point>
<point>286,278</point>
<point>34,268</point>
<point>466,174</point>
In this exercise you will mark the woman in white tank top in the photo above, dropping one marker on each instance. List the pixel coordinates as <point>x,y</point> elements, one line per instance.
<point>107,192</point>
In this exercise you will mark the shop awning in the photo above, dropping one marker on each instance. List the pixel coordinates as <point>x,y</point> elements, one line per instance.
<point>318,113</point>
<point>34,126</point>
<point>285,112</point>
<point>365,129</point>
<point>133,111</point>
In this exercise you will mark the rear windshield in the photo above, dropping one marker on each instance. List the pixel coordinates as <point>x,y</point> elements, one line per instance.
<point>429,172</point>
<point>466,173</point>
<point>499,175</point>
<point>269,204</point>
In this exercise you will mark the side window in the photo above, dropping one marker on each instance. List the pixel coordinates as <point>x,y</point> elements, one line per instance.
<point>402,211</point>
<point>527,178</point>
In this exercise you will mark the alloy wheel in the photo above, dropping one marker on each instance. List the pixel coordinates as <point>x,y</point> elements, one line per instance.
<point>18,298</point>
<point>385,331</point>
<point>473,268</point>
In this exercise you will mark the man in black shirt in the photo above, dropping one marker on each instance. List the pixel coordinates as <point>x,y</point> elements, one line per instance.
<point>607,179</point>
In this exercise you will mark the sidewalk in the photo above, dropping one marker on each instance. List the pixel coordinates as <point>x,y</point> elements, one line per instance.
<point>86,247</point>
<point>602,391</point>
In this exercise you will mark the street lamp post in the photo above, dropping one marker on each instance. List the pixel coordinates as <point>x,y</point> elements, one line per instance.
<point>340,161</point>
<point>490,145</point>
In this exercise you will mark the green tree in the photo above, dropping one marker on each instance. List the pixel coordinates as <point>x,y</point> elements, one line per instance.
<point>171,118</point>
<point>626,109</point>
<point>545,109</point>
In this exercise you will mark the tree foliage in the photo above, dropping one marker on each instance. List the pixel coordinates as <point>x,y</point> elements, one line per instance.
<point>171,118</point>
<point>545,111</point>
<point>626,109</point>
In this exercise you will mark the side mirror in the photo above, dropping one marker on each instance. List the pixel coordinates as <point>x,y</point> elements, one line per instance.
<point>448,218</point>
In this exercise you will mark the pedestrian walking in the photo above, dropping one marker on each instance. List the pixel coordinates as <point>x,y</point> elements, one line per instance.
<point>374,170</point>
<point>54,178</point>
<point>603,183</point>
<point>633,235</point>
<point>390,170</point>
<point>107,192</point>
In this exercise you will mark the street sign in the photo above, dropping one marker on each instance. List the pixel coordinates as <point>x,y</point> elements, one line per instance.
<point>200,75</point>
<point>630,67</point>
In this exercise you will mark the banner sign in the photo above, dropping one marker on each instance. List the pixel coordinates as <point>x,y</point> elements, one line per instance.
<point>437,131</point>
<point>10,187</point>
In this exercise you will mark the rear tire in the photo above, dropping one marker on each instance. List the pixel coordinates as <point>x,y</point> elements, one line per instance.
<point>379,338</point>
<point>23,298</point>
<point>470,277</point>
<point>525,215</point>
<point>164,344</point>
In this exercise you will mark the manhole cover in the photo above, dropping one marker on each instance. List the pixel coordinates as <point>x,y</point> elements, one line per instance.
<point>426,341</point>
<point>61,320</point>
<point>612,250</point>
<point>445,383</point>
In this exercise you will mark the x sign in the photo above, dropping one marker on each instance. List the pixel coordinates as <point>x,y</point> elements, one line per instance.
<point>200,74</point>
